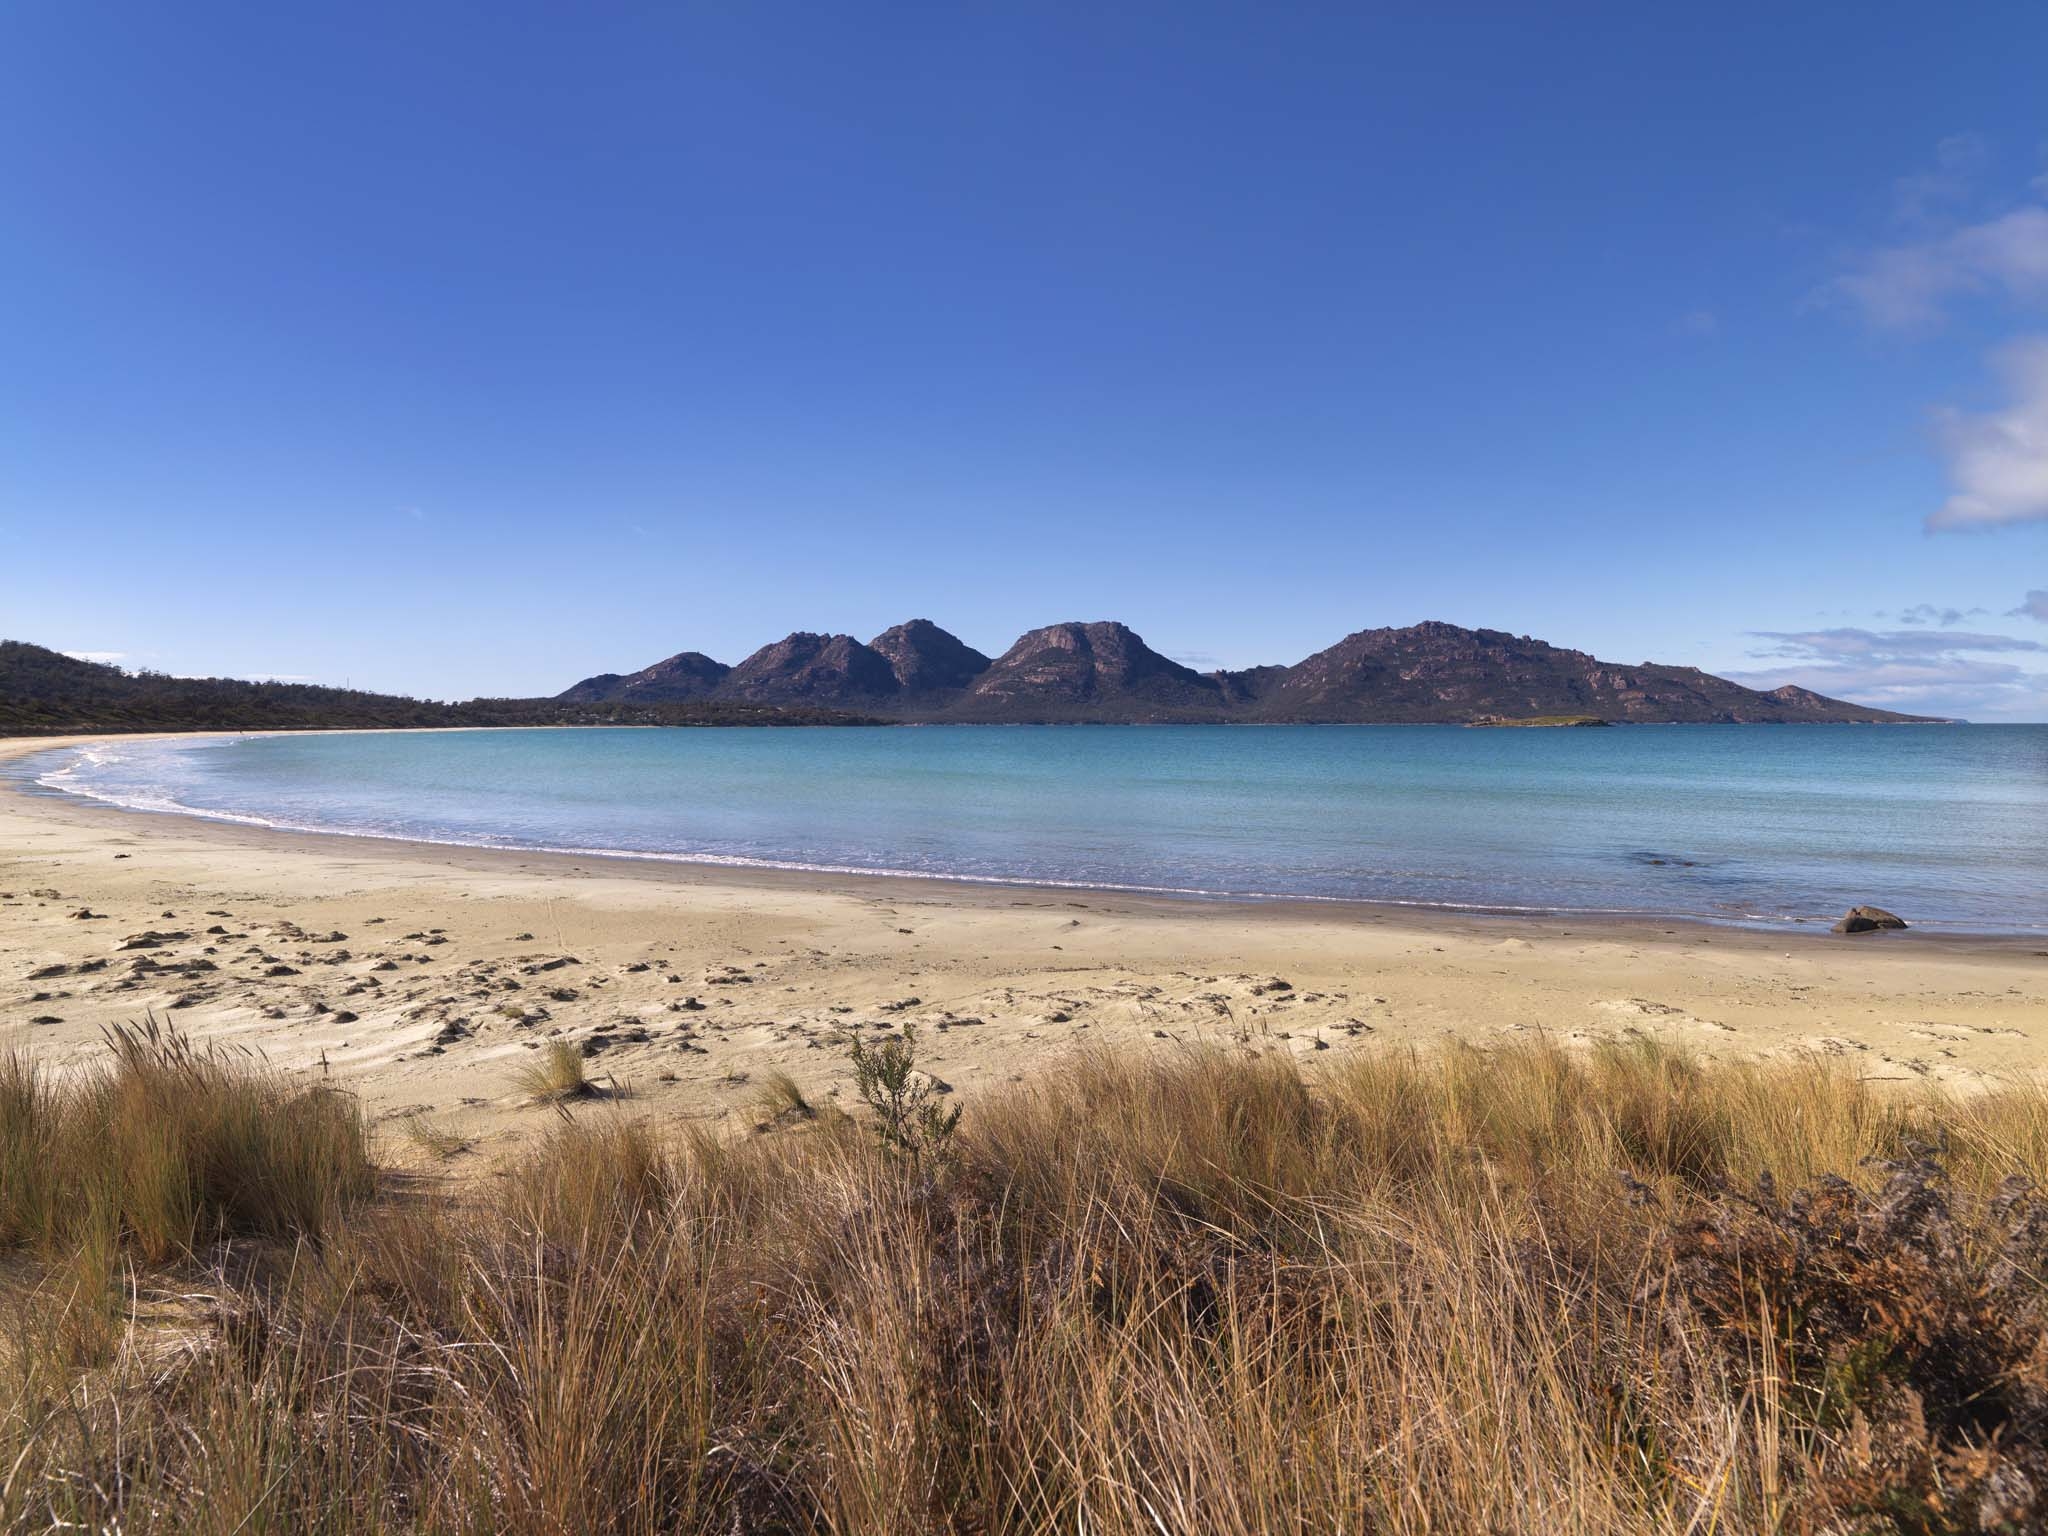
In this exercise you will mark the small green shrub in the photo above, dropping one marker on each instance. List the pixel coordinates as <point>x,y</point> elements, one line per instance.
<point>909,1118</point>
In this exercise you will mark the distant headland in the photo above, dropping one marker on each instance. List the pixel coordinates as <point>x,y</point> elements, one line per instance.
<point>917,673</point>
<point>1425,674</point>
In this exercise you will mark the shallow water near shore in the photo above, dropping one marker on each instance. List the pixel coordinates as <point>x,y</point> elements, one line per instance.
<point>1768,825</point>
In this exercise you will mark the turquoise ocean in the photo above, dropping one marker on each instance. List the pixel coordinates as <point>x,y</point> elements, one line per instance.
<point>1947,825</point>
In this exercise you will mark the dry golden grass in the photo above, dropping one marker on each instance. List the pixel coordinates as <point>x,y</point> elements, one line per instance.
<point>433,1139</point>
<point>556,1075</point>
<point>165,1146</point>
<point>780,1102</point>
<point>1515,1290</point>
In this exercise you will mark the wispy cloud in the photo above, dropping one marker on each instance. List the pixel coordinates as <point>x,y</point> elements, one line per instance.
<point>1698,322</point>
<point>1920,671</point>
<point>1928,613</point>
<point>1830,644</point>
<point>2033,606</point>
<point>1958,161</point>
<point>1909,287</point>
<point>109,657</point>
<point>1998,460</point>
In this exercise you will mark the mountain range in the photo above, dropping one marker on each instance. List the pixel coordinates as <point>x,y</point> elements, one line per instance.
<point>44,692</point>
<point>1430,673</point>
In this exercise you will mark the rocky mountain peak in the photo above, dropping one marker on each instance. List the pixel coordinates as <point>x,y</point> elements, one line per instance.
<point>926,659</point>
<point>810,667</point>
<point>1431,672</point>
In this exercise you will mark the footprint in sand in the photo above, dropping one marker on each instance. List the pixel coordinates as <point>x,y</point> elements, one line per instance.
<point>1663,1013</point>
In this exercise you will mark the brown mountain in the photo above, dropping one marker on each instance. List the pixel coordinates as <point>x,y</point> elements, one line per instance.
<point>806,668</point>
<point>1441,673</point>
<point>927,660</point>
<point>912,668</point>
<point>1428,673</point>
<point>688,675</point>
<point>1089,672</point>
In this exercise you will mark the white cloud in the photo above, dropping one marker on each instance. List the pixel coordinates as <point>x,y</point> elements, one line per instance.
<point>1971,690</point>
<point>1928,613</point>
<point>1927,672</point>
<point>1907,287</point>
<point>2033,606</point>
<point>1837,644</point>
<point>1957,161</point>
<point>109,657</point>
<point>1998,461</point>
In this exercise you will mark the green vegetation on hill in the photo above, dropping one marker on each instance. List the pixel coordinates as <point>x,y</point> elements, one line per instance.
<point>1545,720</point>
<point>44,692</point>
<point>1518,1290</point>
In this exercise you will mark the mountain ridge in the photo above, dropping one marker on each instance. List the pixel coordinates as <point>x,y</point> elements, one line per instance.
<point>1069,673</point>
<point>46,693</point>
<point>1103,672</point>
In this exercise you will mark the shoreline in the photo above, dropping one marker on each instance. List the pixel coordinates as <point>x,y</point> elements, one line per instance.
<point>421,975</point>
<point>853,880</point>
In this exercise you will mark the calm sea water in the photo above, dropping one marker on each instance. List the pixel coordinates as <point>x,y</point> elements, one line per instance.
<point>1946,825</point>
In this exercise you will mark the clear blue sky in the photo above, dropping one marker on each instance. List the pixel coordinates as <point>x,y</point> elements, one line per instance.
<point>461,349</point>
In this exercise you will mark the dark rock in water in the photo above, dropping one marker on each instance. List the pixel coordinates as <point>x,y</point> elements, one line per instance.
<point>1868,920</point>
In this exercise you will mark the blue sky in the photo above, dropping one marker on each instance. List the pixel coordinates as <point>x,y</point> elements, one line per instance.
<point>472,349</point>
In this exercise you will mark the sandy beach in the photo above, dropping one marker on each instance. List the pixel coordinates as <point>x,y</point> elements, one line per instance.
<point>422,976</point>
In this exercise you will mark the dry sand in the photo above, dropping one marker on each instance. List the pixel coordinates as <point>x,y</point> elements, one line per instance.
<point>423,977</point>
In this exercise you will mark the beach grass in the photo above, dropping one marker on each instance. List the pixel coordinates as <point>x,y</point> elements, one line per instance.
<point>164,1146</point>
<point>1513,1289</point>
<point>555,1075</point>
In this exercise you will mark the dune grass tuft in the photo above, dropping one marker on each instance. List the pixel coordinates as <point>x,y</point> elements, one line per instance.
<point>1510,1290</point>
<point>779,1101</point>
<point>165,1145</point>
<point>432,1138</point>
<point>556,1075</point>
